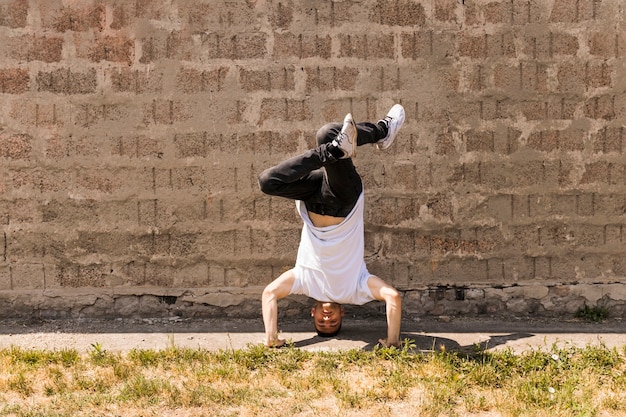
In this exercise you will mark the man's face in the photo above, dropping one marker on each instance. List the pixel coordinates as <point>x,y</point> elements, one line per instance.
<point>327,317</point>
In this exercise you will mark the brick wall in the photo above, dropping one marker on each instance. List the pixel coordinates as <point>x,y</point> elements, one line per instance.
<point>132,132</point>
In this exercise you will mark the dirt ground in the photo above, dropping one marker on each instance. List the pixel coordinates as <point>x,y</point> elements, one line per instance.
<point>451,333</point>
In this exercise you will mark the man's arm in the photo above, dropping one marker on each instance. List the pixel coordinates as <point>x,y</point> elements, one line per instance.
<point>277,289</point>
<point>385,292</point>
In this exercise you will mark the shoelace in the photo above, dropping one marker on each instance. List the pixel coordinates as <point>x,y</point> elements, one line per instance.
<point>340,137</point>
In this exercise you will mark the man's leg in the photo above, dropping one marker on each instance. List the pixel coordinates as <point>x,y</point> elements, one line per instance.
<point>302,177</point>
<point>297,178</point>
<point>341,184</point>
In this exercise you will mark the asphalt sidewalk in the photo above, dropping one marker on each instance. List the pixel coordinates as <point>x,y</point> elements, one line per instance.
<point>453,334</point>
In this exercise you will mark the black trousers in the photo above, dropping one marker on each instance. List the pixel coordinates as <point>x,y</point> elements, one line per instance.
<point>325,184</point>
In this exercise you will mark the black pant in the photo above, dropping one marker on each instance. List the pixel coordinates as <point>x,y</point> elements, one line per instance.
<point>326,185</point>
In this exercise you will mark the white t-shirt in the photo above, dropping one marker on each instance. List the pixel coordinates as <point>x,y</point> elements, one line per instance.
<point>330,265</point>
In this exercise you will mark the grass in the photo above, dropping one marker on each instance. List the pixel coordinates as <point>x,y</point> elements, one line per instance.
<point>593,314</point>
<point>256,381</point>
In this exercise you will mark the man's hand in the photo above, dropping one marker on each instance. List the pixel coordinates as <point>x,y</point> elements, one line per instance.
<point>275,343</point>
<point>384,343</point>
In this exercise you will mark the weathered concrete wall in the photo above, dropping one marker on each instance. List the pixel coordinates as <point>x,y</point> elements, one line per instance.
<point>132,132</point>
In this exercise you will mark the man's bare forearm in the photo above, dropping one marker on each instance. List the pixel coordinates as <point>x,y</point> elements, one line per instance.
<point>276,290</point>
<point>270,318</point>
<point>394,319</point>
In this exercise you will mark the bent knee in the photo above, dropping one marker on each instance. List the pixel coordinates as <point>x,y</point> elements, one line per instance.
<point>327,133</point>
<point>265,183</point>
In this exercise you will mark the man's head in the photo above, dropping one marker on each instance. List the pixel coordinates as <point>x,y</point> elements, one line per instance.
<point>327,318</point>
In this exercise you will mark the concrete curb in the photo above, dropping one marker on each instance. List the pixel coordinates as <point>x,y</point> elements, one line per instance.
<point>452,334</point>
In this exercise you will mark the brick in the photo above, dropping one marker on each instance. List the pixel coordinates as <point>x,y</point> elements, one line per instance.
<point>533,77</point>
<point>84,146</point>
<point>445,11</point>
<point>599,75</point>
<point>89,17</point>
<point>397,245</point>
<point>64,81</point>
<point>281,79</point>
<point>37,48</point>
<point>191,80</point>
<point>178,45</point>
<point>14,14</point>
<point>489,109</point>
<point>608,140</point>
<point>563,44</point>
<point>427,44</point>
<point>114,244</point>
<point>596,173</point>
<point>524,12</point>
<point>401,13</point>
<point>330,79</point>
<point>14,81</point>
<point>367,46</point>
<point>110,48</point>
<point>586,204</point>
<point>88,115</point>
<point>138,146</point>
<point>393,210</point>
<point>165,112</point>
<point>600,107</point>
<point>62,211</point>
<point>193,178</point>
<point>15,146</point>
<point>135,81</point>
<point>27,276</point>
<point>476,141</point>
<point>572,139</point>
<point>241,46</point>
<point>256,142</point>
<point>552,140</point>
<point>284,109</point>
<point>571,77</point>
<point>408,176</point>
<point>541,205</point>
<point>40,112</point>
<point>223,178</point>
<point>101,180</point>
<point>611,205</point>
<point>454,271</point>
<point>417,44</point>
<point>533,110</point>
<point>561,108</point>
<point>78,275</point>
<point>572,11</point>
<point>507,77</point>
<point>501,45</point>
<point>472,14</point>
<point>190,145</point>
<point>281,15</point>
<point>498,207</point>
<point>218,15</point>
<point>301,45</point>
<point>603,44</point>
<point>473,46</point>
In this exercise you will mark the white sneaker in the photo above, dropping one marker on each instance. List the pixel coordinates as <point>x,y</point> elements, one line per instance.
<point>346,139</point>
<point>394,121</point>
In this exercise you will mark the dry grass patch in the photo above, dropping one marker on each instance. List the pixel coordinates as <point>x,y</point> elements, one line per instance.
<point>291,382</point>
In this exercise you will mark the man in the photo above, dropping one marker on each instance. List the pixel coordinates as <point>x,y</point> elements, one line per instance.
<point>330,265</point>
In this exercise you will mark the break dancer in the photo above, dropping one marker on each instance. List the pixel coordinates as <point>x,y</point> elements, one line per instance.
<point>330,265</point>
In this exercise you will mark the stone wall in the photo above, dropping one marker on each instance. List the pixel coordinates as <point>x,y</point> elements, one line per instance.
<point>132,132</point>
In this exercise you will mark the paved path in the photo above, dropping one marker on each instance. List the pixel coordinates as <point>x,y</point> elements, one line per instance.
<point>456,334</point>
